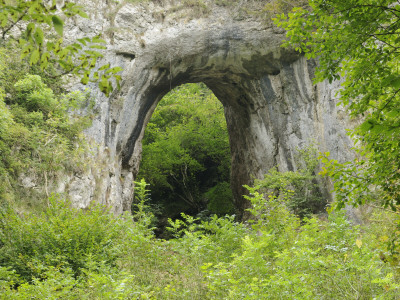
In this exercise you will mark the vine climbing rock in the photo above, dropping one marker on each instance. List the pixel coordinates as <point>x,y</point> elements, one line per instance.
<point>271,105</point>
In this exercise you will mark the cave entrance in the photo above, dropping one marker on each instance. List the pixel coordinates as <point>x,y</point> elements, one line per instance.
<point>250,107</point>
<point>270,104</point>
<point>186,156</point>
<point>247,79</point>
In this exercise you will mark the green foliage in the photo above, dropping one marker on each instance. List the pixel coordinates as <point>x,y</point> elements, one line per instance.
<point>318,260</point>
<point>186,150</point>
<point>40,132</point>
<point>61,237</point>
<point>357,41</point>
<point>299,189</point>
<point>141,211</point>
<point>47,51</point>
<point>62,285</point>
<point>219,199</point>
<point>66,253</point>
<point>270,213</point>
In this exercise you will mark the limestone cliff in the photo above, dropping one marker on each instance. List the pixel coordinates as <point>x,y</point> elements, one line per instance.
<point>271,105</point>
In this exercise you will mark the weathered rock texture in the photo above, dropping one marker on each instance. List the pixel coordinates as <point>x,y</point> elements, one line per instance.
<point>271,105</point>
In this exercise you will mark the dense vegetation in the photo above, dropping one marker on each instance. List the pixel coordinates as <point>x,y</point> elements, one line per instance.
<point>37,26</point>
<point>65,253</point>
<point>357,41</point>
<point>186,155</point>
<point>50,250</point>
<point>40,130</point>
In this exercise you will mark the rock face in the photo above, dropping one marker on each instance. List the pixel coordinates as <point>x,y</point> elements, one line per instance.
<point>271,105</point>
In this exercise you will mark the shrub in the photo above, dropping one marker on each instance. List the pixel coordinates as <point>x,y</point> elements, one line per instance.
<point>319,260</point>
<point>220,199</point>
<point>40,131</point>
<point>61,237</point>
<point>298,189</point>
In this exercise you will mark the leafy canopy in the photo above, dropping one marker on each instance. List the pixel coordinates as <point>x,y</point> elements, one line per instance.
<point>186,152</point>
<point>357,41</point>
<point>38,26</point>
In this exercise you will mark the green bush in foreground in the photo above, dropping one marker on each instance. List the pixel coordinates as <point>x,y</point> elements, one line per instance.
<point>65,253</point>
<point>61,238</point>
<point>318,260</point>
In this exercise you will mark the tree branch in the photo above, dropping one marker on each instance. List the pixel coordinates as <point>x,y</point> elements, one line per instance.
<point>13,24</point>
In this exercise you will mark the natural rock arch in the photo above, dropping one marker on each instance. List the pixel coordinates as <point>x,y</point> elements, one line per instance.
<point>271,105</point>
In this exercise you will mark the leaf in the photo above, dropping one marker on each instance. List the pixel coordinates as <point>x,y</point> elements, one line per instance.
<point>22,42</point>
<point>393,114</point>
<point>358,243</point>
<point>34,57</point>
<point>3,21</point>
<point>103,84</point>
<point>58,24</point>
<point>82,14</point>
<point>26,50</point>
<point>53,6</point>
<point>82,41</point>
<point>114,70</point>
<point>377,129</point>
<point>29,29</point>
<point>93,62</point>
<point>396,83</point>
<point>85,78</point>
<point>98,47</point>
<point>97,39</point>
<point>365,126</point>
<point>104,67</point>
<point>45,60</point>
<point>39,36</point>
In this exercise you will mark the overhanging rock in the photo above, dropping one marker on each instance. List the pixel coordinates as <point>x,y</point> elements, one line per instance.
<point>271,106</point>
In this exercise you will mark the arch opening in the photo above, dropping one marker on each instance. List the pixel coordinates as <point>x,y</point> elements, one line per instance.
<point>186,156</point>
<point>253,143</point>
<point>270,107</point>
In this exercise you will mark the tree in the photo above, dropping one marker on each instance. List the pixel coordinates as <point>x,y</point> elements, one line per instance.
<point>38,26</point>
<point>186,155</point>
<point>358,42</point>
<point>40,134</point>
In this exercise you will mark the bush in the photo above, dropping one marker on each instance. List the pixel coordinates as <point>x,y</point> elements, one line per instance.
<point>66,253</point>
<point>319,260</point>
<point>61,237</point>
<point>298,189</point>
<point>40,131</point>
<point>220,199</point>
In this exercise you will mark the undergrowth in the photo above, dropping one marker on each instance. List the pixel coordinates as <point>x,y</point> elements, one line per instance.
<point>66,253</point>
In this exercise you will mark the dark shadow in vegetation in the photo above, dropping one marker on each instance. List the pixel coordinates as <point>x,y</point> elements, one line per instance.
<point>186,155</point>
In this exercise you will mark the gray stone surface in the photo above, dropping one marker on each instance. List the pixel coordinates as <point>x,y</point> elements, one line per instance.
<point>271,105</point>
